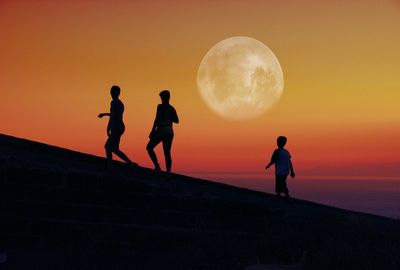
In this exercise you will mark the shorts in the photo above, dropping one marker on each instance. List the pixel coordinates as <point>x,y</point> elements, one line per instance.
<point>113,141</point>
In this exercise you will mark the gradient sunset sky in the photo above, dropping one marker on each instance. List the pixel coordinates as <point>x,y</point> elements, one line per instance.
<point>340,59</point>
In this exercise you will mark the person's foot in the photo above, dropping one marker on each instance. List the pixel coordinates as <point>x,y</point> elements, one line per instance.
<point>168,175</point>
<point>132,164</point>
<point>157,168</point>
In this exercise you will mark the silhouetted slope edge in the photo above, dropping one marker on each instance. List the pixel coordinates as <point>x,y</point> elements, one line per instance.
<point>60,209</point>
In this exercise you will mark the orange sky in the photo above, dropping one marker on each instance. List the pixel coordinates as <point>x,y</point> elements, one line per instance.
<point>340,59</point>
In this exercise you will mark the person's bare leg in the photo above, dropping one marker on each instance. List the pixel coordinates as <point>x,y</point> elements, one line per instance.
<point>107,147</point>
<point>167,144</point>
<point>122,156</point>
<point>109,158</point>
<point>150,149</point>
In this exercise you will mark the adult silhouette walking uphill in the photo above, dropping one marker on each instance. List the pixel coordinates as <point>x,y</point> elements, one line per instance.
<point>162,132</point>
<point>115,128</point>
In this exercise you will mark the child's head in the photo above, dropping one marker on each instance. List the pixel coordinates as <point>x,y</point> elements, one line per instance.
<point>115,91</point>
<point>281,141</point>
<point>165,95</point>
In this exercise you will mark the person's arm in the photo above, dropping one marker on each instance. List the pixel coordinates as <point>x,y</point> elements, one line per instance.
<point>109,129</point>
<point>175,118</point>
<point>274,158</point>
<point>156,122</point>
<point>292,174</point>
<point>101,115</point>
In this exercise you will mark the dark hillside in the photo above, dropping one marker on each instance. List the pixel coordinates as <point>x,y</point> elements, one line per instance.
<point>61,209</point>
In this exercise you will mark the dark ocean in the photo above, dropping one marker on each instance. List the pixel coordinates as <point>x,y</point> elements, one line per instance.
<point>379,196</point>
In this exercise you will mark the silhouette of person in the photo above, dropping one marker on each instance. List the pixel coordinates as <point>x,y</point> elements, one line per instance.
<point>115,127</point>
<point>283,165</point>
<point>162,131</point>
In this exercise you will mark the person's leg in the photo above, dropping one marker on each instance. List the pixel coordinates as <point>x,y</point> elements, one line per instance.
<point>285,190</point>
<point>122,156</point>
<point>150,149</point>
<point>108,148</point>
<point>167,144</point>
<point>117,151</point>
<point>277,185</point>
<point>280,186</point>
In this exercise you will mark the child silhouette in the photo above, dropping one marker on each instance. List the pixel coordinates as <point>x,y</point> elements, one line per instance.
<point>283,166</point>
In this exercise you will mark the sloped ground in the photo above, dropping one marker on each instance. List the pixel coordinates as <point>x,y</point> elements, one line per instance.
<point>61,210</point>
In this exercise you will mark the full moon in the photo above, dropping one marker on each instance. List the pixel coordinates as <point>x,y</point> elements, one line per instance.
<point>240,78</point>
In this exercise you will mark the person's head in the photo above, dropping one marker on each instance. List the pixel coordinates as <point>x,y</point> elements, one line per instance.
<point>165,95</point>
<point>281,141</point>
<point>115,91</point>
